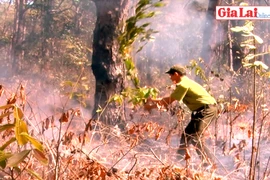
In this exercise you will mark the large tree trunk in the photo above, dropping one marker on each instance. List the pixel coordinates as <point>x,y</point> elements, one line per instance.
<point>209,35</point>
<point>107,66</point>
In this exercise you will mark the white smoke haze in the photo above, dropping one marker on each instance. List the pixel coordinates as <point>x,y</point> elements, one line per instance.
<point>180,26</point>
<point>44,100</point>
<point>179,39</point>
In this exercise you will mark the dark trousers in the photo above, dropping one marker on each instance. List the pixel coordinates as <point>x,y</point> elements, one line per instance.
<point>193,134</point>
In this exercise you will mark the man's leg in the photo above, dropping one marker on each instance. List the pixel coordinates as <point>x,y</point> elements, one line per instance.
<point>186,138</point>
<point>202,150</point>
<point>183,145</point>
<point>202,120</point>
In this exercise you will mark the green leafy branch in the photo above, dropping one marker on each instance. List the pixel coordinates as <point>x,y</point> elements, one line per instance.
<point>9,159</point>
<point>136,31</point>
<point>249,44</point>
<point>135,96</point>
<point>198,70</point>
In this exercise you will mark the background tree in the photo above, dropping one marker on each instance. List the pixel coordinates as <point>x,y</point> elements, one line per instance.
<point>210,33</point>
<point>17,51</point>
<point>107,66</point>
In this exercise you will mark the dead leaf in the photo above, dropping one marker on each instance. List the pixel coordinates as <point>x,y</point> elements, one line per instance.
<point>64,117</point>
<point>242,144</point>
<point>237,157</point>
<point>12,99</point>
<point>150,172</point>
<point>1,90</point>
<point>218,178</point>
<point>76,112</point>
<point>187,155</point>
<point>159,133</point>
<point>22,95</point>
<point>131,131</point>
<point>68,138</point>
<point>232,148</point>
<point>249,133</point>
<point>149,127</point>
<point>47,123</point>
<point>52,122</point>
<point>43,127</point>
<point>135,142</point>
<point>82,138</point>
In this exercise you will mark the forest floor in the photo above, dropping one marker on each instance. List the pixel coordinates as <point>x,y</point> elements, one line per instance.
<point>146,149</point>
<point>152,154</point>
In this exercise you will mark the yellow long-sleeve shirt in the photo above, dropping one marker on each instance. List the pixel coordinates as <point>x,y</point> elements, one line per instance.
<point>192,94</point>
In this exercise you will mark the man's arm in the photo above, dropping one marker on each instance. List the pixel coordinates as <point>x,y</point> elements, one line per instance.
<point>158,103</point>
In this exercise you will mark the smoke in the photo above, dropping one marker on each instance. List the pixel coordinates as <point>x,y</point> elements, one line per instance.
<point>180,31</point>
<point>44,99</point>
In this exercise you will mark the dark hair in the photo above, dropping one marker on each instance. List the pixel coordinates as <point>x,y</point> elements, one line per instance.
<point>177,68</point>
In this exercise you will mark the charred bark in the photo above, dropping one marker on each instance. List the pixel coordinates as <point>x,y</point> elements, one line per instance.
<point>209,33</point>
<point>107,66</point>
<point>236,50</point>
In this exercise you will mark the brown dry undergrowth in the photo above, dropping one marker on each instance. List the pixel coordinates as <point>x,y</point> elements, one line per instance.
<point>79,148</point>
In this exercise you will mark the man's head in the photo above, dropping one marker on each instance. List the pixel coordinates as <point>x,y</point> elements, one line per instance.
<point>177,68</point>
<point>176,72</point>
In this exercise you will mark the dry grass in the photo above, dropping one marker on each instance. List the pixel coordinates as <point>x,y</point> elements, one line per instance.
<point>78,147</point>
